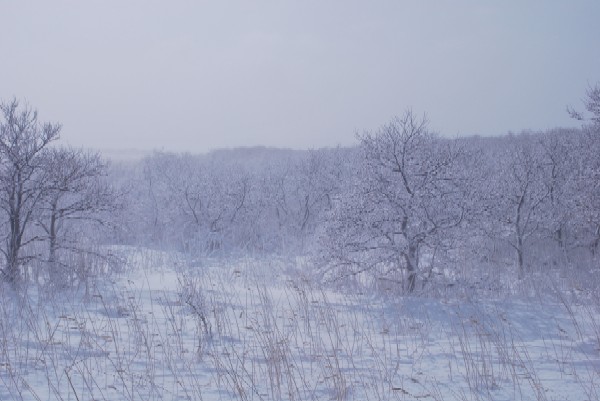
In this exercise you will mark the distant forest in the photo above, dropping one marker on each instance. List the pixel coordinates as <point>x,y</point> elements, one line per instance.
<point>403,208</point>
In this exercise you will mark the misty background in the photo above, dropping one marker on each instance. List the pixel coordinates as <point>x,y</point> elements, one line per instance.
<point>196,75</point>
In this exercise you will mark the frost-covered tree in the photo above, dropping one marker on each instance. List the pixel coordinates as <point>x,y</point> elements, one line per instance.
<point>520,195</point>
<point>588,156</point>
<point>302,190</point>
<point>407,194</point>
<point>564,176</point>
<point>193,203</point>
<point>534,198</point>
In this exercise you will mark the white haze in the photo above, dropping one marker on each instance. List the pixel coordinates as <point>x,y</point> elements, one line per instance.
<point>194,76</point>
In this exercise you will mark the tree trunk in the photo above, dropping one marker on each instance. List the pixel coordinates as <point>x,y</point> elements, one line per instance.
<point>13,247</point>
<point>519,232</point>
<point>12,262</point>
<point>520,263</point>
<point>53,267</point>
<point>412,264</point>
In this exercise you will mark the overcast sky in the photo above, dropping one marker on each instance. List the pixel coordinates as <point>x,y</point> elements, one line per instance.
<point>198,75</point>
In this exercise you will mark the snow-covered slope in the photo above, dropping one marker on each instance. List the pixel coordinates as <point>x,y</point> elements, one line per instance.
<point>251,330</point>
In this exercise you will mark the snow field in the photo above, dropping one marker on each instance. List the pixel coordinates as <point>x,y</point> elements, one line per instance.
<point>257,330</point>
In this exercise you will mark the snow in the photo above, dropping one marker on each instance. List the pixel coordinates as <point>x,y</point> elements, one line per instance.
<point>258,330</point>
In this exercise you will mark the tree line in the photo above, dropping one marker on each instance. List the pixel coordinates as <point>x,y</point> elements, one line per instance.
<point>404,205</point>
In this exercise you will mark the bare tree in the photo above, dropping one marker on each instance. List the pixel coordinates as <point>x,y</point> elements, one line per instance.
<point>76,195</point>
<point>22,177</point>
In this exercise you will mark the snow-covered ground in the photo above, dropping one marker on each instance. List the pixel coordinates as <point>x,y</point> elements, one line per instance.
<point>258,330</point>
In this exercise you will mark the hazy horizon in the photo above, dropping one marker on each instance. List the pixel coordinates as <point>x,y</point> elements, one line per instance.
<point>197,76</point>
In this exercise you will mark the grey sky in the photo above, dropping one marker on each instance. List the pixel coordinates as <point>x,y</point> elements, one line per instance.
<point>197,75</point>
